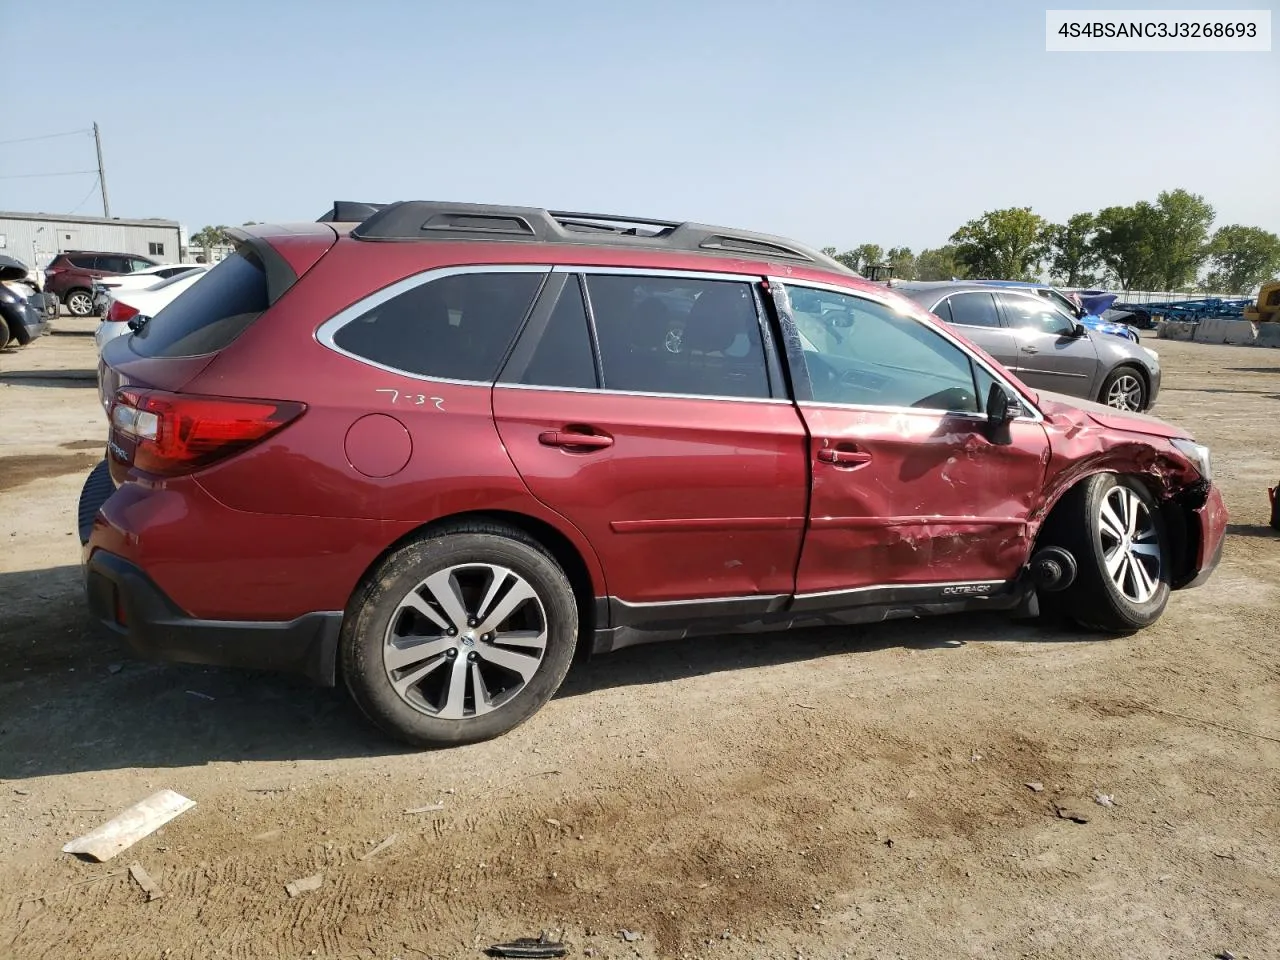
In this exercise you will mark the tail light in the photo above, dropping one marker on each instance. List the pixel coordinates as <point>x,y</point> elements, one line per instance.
<point>121,311</point>
<point>176,433</point>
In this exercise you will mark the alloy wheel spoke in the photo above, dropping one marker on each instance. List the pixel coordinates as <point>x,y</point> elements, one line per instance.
<point>406,651</point>
<point>414,677</point>
<point>1146,585</point>
<point>1111,523</point>
<point>1133,506</point>
<point>483,703</point>
<point>1147,549</point>
<point>457,692</point>
<point>1114,559</point>
<point>415,602</point>
<point>520,663</point>
<point>534,639</point>
<point>444,590</point>
<point>520,592</point>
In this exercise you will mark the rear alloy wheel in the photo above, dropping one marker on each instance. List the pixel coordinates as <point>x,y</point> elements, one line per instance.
<point>460,637</point>
<point>1117,534</point>
<point>79,302</point>
<point>1124,389</point>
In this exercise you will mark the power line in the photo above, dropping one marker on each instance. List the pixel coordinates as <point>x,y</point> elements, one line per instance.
<point>86,197</point>
<point>47,136</point>
<point>30,176</point>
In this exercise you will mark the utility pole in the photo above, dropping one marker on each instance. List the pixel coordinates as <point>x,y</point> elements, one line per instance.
<point>102,174</point>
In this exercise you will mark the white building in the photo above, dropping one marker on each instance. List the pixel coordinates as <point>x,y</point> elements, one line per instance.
<point>36,238</point>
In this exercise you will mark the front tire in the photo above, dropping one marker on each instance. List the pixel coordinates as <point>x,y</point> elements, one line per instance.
<point>1114,528</point>
<point>459,636</point>
<point>1124,389</point>
<point>79,303</point>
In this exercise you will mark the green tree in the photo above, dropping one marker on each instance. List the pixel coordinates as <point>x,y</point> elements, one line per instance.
<point>1181,244</point>
<point>867,254</point>
<point>940,263</point>
<point>1241,258</point>
<point>209,237</point>
<point>903,262</point>
<point>1003,244</point>
<point>1124,240</point>
<point>1072,257</point>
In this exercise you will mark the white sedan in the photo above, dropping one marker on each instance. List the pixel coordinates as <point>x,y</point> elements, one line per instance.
<point>148,279</point>
<point>126,305</point>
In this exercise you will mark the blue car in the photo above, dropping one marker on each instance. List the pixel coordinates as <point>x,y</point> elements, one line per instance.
<point>1092,304</point>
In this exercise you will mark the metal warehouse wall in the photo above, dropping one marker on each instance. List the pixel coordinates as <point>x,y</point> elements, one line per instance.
<point>36,241</point>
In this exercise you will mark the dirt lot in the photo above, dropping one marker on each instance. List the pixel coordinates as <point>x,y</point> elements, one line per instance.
<point>841,793</point>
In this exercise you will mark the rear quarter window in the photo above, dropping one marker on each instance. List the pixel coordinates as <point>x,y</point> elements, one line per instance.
<point>208,315</point>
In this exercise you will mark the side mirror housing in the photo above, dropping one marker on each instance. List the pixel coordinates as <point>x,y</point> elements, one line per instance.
<point>1079,330</point>
<point>1002,409</point>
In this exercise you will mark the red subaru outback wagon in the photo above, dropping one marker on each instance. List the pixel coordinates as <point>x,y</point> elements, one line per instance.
<point>433,449</point>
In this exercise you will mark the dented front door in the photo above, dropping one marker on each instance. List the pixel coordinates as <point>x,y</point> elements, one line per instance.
<point>908,483</point>
<point>901,498</point>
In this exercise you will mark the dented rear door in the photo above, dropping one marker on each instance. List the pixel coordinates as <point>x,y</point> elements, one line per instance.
<point>907,488</point>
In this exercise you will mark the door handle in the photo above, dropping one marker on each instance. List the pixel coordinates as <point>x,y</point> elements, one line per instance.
<point>1030,349</point>
<point>567,438</point>
<point>843,458</point>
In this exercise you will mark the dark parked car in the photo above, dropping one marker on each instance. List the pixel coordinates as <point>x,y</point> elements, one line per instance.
<point>70,275</point>
<point>1042,344</point>
<point>23,312</point>
<point>434,449</point>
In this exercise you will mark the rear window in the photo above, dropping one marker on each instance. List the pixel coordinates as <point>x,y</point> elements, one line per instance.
<point>210,314</point>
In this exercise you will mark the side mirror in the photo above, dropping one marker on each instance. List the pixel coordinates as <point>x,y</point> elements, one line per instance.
<point>1079,330</point>
<point>1002,410</point>
<point>137,322</point>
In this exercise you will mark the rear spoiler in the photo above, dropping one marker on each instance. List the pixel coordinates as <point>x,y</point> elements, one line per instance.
<point>280,276</point>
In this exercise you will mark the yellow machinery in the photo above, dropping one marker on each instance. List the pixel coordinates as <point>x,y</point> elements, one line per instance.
<point>1267,309</point>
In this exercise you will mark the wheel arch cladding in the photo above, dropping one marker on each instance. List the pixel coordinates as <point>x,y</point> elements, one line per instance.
<point>1059,512</point>
<point>544,534</point>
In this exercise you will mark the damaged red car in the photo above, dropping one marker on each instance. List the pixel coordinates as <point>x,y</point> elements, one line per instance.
<point>431,450</point>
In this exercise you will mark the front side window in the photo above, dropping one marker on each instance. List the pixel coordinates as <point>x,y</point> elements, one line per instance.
<point>1034,313</point>
<point>860,352</point>
<point>457,327</point>
<point>692,337</point>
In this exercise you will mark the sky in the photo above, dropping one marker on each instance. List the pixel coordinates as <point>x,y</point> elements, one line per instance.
<point>832,123</point>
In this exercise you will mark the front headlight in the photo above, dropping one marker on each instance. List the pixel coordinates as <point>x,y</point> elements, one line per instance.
<point>1198,454</point>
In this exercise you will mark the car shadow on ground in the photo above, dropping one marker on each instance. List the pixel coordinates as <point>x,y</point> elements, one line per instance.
<point>50,378</point>
<point>73,700</point>
<point>1252,530</point>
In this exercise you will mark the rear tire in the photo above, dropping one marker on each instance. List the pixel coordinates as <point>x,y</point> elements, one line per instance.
<point>79,302</point>
<point>1124,389</point>
<point>4,334</point>
<point>459,636</point>
<point>1114,528</point>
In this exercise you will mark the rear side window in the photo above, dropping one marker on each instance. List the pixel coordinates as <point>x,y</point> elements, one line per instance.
<point>974,310</point>
<point>456,328</point>
<point>942,310</point>
<point>562,356</point>
<point>84,263</point>
<point>679,336</point>
<point>208,315</point>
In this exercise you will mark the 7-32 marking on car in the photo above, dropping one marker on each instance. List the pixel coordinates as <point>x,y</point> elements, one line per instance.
<point>417,399</point>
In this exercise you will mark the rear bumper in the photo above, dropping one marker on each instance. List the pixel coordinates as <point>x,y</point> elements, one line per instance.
<point>130,604</point>
<point>127,602</point>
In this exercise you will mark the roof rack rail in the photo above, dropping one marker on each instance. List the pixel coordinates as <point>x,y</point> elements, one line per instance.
<point>436,220</point>
<point>349,211</point>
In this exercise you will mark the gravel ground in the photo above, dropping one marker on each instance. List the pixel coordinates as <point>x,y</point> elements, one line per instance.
<point>834,793</point>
